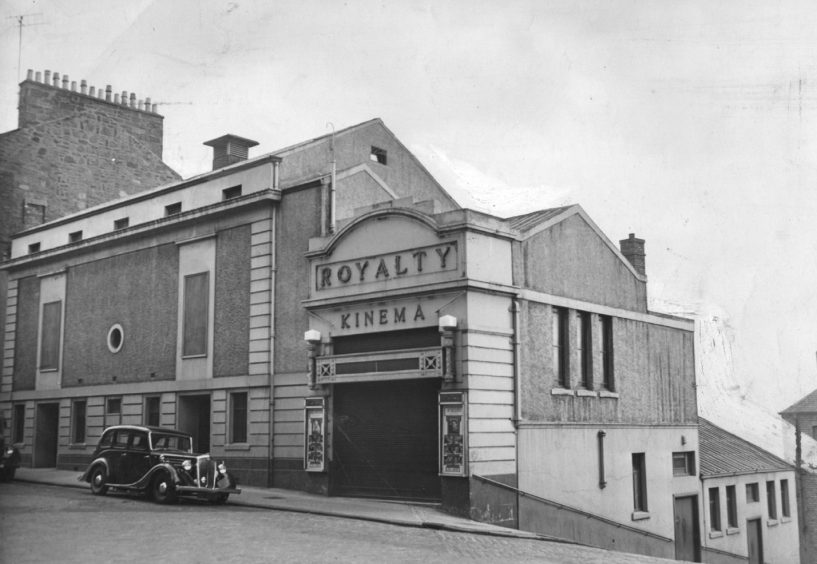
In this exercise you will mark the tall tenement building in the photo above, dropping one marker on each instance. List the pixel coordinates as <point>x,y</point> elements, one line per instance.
<point>74,147</point>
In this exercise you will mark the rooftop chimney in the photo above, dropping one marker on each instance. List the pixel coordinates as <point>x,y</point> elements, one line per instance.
<point>229,149</point>
<point>633,251</point>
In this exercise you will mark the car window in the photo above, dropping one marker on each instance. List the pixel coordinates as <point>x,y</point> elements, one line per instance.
<point>139,441</point>
<point>106,439</point>
<point>121,439</point>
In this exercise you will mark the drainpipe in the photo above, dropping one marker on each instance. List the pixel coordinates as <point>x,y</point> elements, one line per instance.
<point>273,271</point>
<point>516,364</point>
<point>332,217</point>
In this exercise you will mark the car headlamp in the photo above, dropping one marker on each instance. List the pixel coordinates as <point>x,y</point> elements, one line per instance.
<point>9,451</point>
<point>222,468</point>
<point>187,465</point>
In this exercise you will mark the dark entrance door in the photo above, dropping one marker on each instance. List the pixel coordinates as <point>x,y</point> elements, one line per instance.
<point>754,536</point>
<point>385,440</point>
<point>687,541</point>
<point>47,431</point>
<point>194,418</point>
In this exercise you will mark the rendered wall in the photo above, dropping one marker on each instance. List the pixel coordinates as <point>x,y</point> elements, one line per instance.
<point>560,463</point>
<point>232,302</point>
<point>569,259</point>
<point>780,536</point>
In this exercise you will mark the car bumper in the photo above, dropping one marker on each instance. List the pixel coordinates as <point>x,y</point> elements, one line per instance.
<point>206,492</point>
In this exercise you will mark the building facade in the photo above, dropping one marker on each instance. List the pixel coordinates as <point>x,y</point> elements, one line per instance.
<point>325,317</point>
<point>751,507</point>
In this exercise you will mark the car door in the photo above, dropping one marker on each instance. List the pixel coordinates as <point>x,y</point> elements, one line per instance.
<point>136,462</point>
<point>117,457</point>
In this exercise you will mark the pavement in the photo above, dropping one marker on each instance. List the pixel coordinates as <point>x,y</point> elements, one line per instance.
<point>396,513</point>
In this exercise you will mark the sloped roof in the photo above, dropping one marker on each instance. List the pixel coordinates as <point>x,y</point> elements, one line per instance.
<point>725,454</point>
<point>806,405</point>
<point>528,220</point>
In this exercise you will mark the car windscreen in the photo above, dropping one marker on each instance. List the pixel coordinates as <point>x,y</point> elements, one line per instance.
<point>163,441</point>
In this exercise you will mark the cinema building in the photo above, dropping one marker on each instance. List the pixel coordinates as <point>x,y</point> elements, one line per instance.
<point>327,318</point>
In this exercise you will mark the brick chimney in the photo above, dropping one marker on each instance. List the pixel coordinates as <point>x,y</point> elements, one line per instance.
<point>633,251</point>
<point>229,149</point>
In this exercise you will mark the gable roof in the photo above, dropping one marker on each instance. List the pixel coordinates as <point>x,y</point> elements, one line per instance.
<point>806,405</point>
<point>528,220</point>
<point>725,454</point>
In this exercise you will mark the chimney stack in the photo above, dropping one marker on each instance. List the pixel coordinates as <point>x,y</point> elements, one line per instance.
<point>633,251</point>
<point>229,149</point>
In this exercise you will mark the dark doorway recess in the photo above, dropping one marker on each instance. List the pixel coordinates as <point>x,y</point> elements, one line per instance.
<point>385,440</point>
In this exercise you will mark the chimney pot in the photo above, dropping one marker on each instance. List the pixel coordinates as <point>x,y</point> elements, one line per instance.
<point>229,149</point>
<point>38,76</point>
<point>29,74</point>
<point>83,87</point>
<point>633,250</point>
<point>47,77</point>
<point>56,79</point>
<point>73,86</point>
<point>108,91</point>
<point>65,82</point>
<point>92,91</point>
<point>132,100</point>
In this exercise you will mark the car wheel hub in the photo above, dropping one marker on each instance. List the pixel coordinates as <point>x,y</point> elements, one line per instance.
<point>98,479</point>
<point>162,487</point>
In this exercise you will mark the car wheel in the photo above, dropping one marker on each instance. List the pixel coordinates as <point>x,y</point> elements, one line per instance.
<point>220,499</point>
<point>163,488</point>
<point>99,481</point>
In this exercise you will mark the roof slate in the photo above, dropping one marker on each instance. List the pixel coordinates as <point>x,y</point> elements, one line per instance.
<point>528,220</point>
<point>806,405</point>
<point>724,454</point>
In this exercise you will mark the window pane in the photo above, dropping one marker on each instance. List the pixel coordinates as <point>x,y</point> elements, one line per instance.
<point>79,421</point>
<point>238,417</point>
<point>752,493</point>
<point>771,500</point>
<point>715,509</point>
<point>19,422</point>
<point>152,411</point>
<point>196,301</point>
<point>51,329</point>
<point>639,482</point>
<point>606,323</point>
<point>784,498</point>
<point>731,507</point>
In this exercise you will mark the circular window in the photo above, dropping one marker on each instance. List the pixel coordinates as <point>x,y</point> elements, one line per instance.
<point>115,338</point>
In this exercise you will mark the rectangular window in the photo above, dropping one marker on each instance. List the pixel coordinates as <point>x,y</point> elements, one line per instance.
<point>238,417</point>
<point>232,192</point>
<point>75,236</point>
<point>731,507</point>
<point>19,423</point>
<point>51,336</point>
<point>173,209</point>
<point>33,248</point>
<point>683,463</point>
<point>752,493</point>
<point>152,412</point>
<point>639,481</point>
<point>585,349</point>
<point>785,508</point>
<point>121,223</point>
<point>715,509</point>
<point>771,500</point>
<point>196,307</point>
<point>560,344</point>
<point>606,325</point>
<point>378,155</point>
<point>78,421</point>
<point>114,406</point>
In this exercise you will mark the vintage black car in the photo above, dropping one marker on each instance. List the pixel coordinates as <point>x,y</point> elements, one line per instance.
<point>157,462</point>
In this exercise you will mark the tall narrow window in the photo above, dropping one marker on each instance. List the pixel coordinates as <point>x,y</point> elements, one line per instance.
<point>378,155</point>
<point>715,509</point>
<point>731,508</point>
<point>606,326</point>
<point>560,347</point>
<point>752,493</point>
<point>196,307</point>
<point>152,412</point>
<point>19,423</point>
<point>78,421</point>
<point>33,248</point>
<point>238,417</point>
<point>771,500</point>
<point>51,336</point>
<point>639,481</point>
<point>585,347</point>
<point>785,508</point>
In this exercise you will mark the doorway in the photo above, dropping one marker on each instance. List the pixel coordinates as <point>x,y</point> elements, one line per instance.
<point>385,440</point>
<point>46,434</point>
<point>687,538</point>
<point>194,418</point>
<point>754,539</point>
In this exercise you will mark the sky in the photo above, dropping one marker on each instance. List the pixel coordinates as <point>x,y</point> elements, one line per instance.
<point>691,124</point>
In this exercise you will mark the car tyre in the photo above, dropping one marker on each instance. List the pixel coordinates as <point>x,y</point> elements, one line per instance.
<point>163,489</point>
<point>99,481</point>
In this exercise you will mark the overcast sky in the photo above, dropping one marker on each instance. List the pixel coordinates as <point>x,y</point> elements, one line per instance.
<point>691,124</point>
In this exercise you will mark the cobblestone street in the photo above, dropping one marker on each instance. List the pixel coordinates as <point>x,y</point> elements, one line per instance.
<point>40,523</point>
